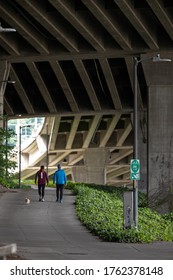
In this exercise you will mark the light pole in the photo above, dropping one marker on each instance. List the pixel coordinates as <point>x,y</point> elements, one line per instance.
<point>3,84</point>
<point>47,147</point>
<point>20,152</point>
<point>136,62</point>
<point>6,144</point>
<point>4,124</point>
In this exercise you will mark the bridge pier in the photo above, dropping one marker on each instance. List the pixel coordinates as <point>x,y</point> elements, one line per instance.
<point>159,78</point>
<point>94,169</point>
<point>160,148</point>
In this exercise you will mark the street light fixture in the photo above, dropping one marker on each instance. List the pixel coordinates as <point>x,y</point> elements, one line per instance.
<point>8,81</point>
<point>20,152</point>
<point>2,29</point>
<point>136,62</point>
<point>4,83</point>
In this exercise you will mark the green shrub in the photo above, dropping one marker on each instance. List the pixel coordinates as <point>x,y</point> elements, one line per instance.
<point>101,211</point>
<point>9,183</point>
<point>168,216</point>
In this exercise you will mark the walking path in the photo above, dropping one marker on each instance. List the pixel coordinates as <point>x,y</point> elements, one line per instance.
<point>51,231</point>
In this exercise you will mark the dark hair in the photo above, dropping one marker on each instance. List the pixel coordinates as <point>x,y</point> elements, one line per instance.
<point>59,166</point>
<point>42,166</point>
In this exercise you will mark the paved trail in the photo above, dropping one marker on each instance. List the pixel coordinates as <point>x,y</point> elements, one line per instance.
<point>51,231</point>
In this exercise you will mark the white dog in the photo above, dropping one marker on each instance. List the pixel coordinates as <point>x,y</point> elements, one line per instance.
<point>27,200</point>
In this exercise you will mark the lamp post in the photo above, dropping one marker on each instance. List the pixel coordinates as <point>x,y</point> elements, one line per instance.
<point>136,62</point>
<point>6,144</point>
<point>47,147</point>
<point>3,84</point>
<point>20,152</point>
<point>4,122</point>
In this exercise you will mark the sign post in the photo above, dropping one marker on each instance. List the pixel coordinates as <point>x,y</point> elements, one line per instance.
<point>135,176</point>
<point>128,209</point>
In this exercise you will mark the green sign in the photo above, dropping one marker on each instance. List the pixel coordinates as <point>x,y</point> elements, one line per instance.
<point>135,169</point>
<point>134,176</point>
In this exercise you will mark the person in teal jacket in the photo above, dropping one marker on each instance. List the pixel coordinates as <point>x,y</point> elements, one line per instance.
<point>60,179</point>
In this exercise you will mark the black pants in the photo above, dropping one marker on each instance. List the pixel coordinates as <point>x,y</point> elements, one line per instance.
<point>41,190</point>
<point>59,191</point>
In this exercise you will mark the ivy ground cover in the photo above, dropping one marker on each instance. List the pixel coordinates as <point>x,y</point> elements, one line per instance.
<point>100,209</point>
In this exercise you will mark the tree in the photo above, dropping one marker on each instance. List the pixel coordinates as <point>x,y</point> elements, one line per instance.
<point>7,154</point>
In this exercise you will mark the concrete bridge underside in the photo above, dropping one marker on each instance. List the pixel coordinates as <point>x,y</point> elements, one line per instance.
<point>73,63</point>
<point>80,141</point>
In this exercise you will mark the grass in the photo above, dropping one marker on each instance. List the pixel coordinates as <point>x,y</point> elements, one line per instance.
<point>25,184</point>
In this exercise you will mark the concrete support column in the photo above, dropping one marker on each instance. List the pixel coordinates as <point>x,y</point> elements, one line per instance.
<point>160,147</point>
<point>94,168</point>
<point>79,174</point>
<point>159,78</point>
<point>95,163</point>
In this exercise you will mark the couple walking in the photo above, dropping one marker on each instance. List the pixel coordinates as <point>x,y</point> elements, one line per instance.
<point>59,178</point>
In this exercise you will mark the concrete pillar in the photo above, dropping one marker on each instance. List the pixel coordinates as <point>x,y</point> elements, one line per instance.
<point>159,78</point>
<point>95,163</point>
<point>160,147</point>
<point>79,174</point>
<point>94,168</point>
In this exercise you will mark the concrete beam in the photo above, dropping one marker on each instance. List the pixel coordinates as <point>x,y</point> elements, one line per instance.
<point>138,22</point>
<point>88,85</point>
<point>53,26</point>
<point>21,92</point>
<point>64,85</point>
<point>109,22</point>
<point>111,83</point>
<point>81,23</point>
<point>158,8</point>
<point>42,87</point>
<point>23,28</point>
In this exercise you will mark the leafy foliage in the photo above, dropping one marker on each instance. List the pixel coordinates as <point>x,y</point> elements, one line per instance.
<point>101,211</point>
<point>7,165</point>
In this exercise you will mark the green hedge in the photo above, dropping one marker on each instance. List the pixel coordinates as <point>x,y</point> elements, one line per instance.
<point>101,211</point>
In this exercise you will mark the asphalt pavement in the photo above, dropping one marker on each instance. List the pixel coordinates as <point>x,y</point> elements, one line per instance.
<point>51,231</point>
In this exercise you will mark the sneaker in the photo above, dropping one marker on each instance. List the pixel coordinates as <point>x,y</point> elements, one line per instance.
<point>42,199</point>
<point>61,201</point>
<point>57,200</point>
